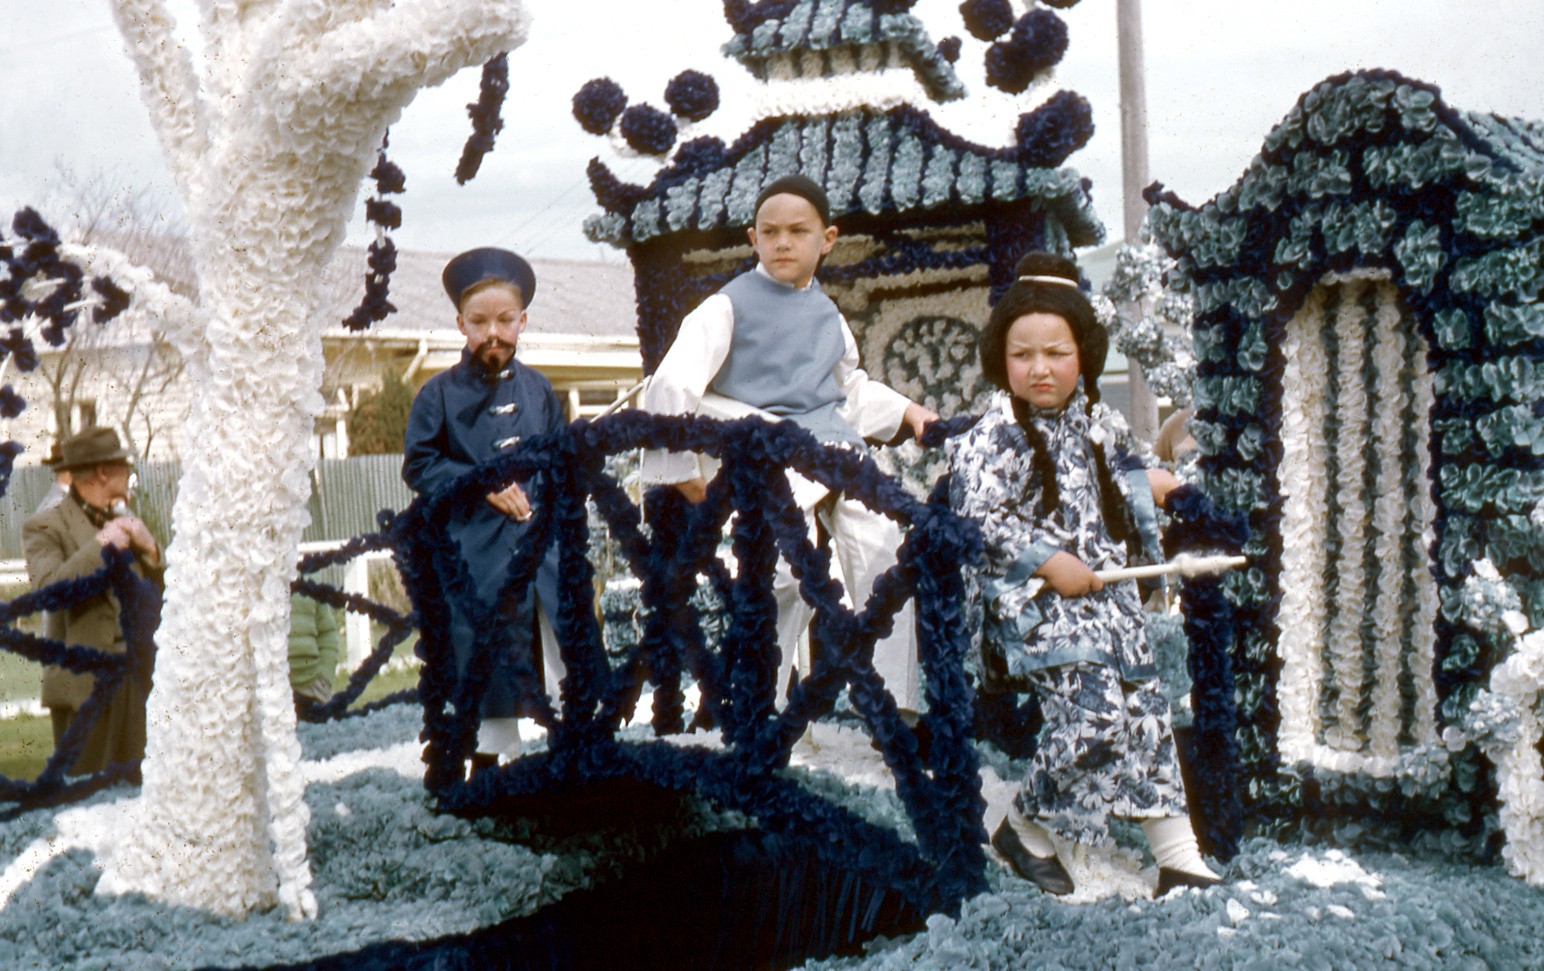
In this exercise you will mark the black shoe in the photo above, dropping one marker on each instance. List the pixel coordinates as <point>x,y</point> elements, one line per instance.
<point>1176,879</point>
<point>1047,873</point>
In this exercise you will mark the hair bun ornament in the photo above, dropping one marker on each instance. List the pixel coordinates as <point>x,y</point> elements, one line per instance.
<point>692,95</point>
<point>648,130</point>
<point>598,104</point>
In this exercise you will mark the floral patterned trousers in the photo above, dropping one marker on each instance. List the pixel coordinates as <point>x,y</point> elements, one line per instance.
<point>1106,749</point>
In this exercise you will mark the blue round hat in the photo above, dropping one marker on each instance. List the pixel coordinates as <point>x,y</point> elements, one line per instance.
<point>488,263</point>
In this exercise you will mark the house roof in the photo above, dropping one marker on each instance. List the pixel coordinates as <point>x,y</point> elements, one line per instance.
<point>574,298</point>
<point>872,162</point>
<point>773,27</point>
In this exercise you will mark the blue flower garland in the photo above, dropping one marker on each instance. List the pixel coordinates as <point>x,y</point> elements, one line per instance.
<point>381,260</point>
<point>1053,131</point>
<point>987,19</point>
<point>648,130</point>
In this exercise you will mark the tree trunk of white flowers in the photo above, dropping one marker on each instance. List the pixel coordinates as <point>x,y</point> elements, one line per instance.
<point>269,140</point>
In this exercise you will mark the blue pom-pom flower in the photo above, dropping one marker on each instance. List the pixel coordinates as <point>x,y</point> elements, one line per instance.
<point>597,105</point>
<point>1055,130</point>
<point>1038,42</point>
<point>987,19</point>
<point>692,95</point>
<point>11,403</point>
<point>648,130</point>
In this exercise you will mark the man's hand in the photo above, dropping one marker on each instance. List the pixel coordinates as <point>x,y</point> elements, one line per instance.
<point>1068,575</point>
<point>917,418</point>
<point>511,502</point>
<point>695,490</point>
<point>129,532</point>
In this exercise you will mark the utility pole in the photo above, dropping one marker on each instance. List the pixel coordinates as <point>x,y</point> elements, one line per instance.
<point>1133,153</point>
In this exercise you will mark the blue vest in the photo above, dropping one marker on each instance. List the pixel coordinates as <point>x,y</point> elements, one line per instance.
<point>783,355</point>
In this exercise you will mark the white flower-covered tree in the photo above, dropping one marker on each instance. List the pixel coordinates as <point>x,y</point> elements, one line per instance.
<point>268,134</point>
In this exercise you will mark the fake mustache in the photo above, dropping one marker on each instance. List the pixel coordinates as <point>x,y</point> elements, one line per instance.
<point>494,345</point>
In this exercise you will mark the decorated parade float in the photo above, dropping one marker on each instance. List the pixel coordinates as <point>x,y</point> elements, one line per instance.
<point>1365,732</point>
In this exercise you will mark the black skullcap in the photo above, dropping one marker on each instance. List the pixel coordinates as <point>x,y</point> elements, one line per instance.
<point>802,186</point>
<point>488,263</point>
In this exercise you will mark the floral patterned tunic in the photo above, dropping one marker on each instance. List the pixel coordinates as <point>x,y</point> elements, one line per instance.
<point>1106,747</point>
<point>994,483</point>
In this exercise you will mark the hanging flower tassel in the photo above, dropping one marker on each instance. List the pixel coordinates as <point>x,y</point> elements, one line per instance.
<point>486,123</point>
<point>381,261</point>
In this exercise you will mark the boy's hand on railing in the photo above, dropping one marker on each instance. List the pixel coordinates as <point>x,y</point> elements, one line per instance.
<point>917,418</point>
<point>695,490</point>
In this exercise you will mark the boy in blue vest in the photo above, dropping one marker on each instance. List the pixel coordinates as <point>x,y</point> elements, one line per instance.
<point>772,343</point>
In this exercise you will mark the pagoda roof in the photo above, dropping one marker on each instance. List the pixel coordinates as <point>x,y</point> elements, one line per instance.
<point>1372,168</point>
<point>774,27</point>
<point>875,163</point>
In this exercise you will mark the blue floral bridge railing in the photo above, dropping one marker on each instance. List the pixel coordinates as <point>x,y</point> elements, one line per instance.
<point>139,603</point>
<point>671,557</point>
<point>941,790</point>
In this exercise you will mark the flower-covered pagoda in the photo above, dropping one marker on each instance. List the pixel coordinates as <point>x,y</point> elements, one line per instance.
<point>1370,339</point>
<point>931,223</point>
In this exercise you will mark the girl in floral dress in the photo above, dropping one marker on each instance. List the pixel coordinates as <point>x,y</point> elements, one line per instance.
<point>1052,477</point>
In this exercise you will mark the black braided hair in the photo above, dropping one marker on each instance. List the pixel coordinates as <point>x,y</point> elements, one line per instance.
<point>1027,296</point>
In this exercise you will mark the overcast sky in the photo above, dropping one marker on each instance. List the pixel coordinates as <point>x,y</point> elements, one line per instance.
<point>1221,73</point>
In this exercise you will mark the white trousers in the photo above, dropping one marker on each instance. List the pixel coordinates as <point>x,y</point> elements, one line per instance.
<point>864,542</point>
<point>501,736</point>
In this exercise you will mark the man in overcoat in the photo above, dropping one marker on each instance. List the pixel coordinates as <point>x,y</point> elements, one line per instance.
<point>67,541</point>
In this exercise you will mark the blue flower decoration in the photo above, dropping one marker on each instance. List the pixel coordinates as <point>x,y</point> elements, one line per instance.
<point>1038,42</point>
<point>11,403</point>
<point>115,299</point>
<point>648,130</point>
<point>597,105</point>
<point>949,49</point>
<point>1055,130</point>
<point>987,19</point>
<point>701,155</point>
<point>692,95</point>
<point>384,213</point>
<point>484,112</point>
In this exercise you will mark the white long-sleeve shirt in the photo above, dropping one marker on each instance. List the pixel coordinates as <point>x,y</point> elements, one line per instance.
<point>679,386</point>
